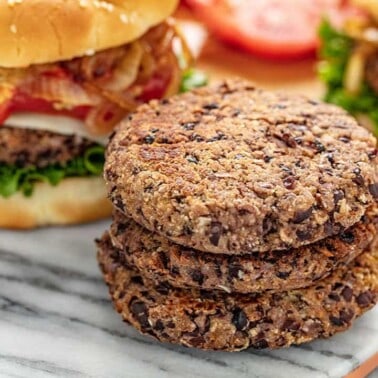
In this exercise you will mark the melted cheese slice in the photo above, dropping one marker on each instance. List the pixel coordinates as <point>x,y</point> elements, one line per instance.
<point>56,124</point>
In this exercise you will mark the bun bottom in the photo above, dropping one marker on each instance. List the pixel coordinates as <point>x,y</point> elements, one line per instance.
<point>74,200</point>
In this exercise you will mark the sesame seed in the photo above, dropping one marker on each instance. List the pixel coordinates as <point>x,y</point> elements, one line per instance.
<point>90,52</point>
<point>13,28</point>
<point>104,5</point>
<point>14,2</point>
<point>83,3</point>
<point>124,18</point>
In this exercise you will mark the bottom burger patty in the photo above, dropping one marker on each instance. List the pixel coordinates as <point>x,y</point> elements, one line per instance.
<point>27,147</point>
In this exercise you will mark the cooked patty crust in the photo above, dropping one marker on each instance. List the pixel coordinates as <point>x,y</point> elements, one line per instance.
<point>219,321</point>
<point>233,169</point>
<point>160,260</point>
<point>27,147</point>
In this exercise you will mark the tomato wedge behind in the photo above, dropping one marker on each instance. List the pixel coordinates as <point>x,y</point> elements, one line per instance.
<point>277,29</point>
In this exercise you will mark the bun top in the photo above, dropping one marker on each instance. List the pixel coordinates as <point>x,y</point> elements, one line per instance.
<point>44,31</point>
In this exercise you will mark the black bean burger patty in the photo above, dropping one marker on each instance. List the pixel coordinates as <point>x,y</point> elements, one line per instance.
<point>233,169</point>
<point>26,147</point>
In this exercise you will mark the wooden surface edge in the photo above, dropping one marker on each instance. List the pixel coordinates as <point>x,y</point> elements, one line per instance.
<point>364,369</point>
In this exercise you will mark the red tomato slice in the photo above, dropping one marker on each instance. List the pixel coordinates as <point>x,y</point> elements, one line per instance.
<point>269,28</point>
<point>155,87</point>
<point>5,110</point>
<point>24,103</point>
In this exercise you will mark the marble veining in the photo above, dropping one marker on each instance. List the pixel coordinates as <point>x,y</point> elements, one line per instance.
<point>56,321</point>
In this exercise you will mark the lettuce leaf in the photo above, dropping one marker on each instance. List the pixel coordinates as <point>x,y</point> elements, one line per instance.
<point>192,78</point>
<point>17,179</point>
<point>335,52</point>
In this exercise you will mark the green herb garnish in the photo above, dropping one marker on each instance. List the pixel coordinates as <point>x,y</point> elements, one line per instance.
<point>192,78</point>
<point>335,51</point>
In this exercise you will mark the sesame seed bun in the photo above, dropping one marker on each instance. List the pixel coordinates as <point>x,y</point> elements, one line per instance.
<point>44,31</point>
<point>74,200</point>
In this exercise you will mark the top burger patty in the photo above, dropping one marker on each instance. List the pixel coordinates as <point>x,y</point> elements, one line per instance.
<point>26,147</point>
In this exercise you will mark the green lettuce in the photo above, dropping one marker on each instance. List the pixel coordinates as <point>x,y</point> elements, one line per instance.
<point>335,52</point>
<point>192,78</point>
<point>17,179</point>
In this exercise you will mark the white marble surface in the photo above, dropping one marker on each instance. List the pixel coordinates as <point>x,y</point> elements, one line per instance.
<point>56,321</point>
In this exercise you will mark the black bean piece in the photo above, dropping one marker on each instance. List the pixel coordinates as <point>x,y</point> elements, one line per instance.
<point>303,235</point>
<point>331,159</point>
<point>216,230</point>
<point>196,138</point>
<point>336,321</point>
<point>358,179</point>
<point>239,319</point>
<point>347,237</point>
<point>338,195</point>
<point>364,299</point>
<point>283,275</point>
<point>328,228</point>
<point>164,260</point>
<point>344,139</point>
<point>346,315</point>
<point>261,344</point>
<point>289,182</point>
<point>347,293</point>
<point>189,126</point>
<point>197,341</point>
<point>149,139</point>
<point>319,147</point>
<point>373,189</point>
<point>197,276</point>
<point>302,215</point>
<point>290,325</point>
<point>334,297</point>
<point>137,280</point>
<point>211,106</point>
<point>372,154</point>
<point>140,312</point>
<point>171,324</point>
<point>235,270</point>
<point>187,230</point>
<point>159,326</point>
<point>192,159</point>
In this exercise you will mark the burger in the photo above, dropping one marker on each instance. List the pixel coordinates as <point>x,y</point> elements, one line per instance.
<point>69,72</point>
<point>349,64</point>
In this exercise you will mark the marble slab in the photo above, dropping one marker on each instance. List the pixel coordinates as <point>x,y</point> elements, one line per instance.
<point>56,321</point>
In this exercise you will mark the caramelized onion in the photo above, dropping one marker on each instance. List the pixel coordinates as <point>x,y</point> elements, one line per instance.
<point>62,91</point>
<point>102,118</point>
<point>126,71</point>
<point>354,73</point>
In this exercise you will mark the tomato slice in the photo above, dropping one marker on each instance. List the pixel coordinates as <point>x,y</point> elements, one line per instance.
<point>155,87</point>
<point>5,110</point>
<point>21,102</point>
<point>269,28</point>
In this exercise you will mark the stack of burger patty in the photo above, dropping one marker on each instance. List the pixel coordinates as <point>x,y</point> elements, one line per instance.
<point>242,218</point>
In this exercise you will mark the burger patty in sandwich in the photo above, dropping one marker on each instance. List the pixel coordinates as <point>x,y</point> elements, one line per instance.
<point>39,148</point>
<point>31,156</point>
